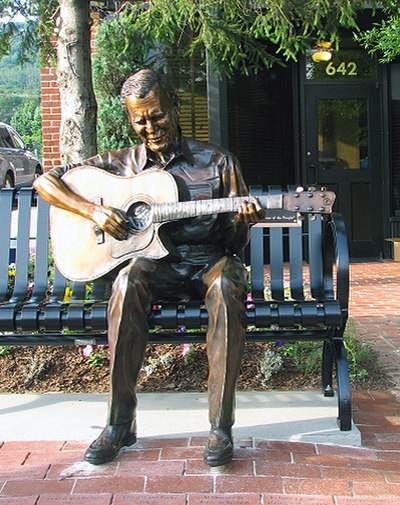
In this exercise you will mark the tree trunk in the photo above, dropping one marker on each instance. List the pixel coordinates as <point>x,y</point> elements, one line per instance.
<point>78,103</point>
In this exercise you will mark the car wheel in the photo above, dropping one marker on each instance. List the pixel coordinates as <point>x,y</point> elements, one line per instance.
<point>8,182</point>
<point>38,172</point>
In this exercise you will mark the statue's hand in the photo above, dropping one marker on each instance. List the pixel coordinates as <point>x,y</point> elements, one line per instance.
<point>111,220</point>
<point>250,212</point>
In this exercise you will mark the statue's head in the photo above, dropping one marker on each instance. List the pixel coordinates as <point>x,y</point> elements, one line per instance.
<point>153,109</point>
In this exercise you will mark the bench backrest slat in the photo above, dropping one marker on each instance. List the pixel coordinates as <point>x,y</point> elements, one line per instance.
<point>276,255</point>
<point>276,263</point>
<point>315,256</point>
<point>22,249</point>
<point>6,202</point>
<point>42,251</point>
<point>59,286</point>
<point>296,259</point>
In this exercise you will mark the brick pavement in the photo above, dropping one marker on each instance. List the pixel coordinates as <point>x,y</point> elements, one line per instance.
<point>171,472</point>
<point>375,307</point>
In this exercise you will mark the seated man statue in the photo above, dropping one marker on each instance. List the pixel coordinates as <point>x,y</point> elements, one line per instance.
<point>204,263</point>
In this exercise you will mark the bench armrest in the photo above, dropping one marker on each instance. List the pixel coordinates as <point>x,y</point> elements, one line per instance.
<point>336,254</point>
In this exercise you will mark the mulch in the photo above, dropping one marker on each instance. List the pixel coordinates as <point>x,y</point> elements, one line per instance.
<point>65,369</point>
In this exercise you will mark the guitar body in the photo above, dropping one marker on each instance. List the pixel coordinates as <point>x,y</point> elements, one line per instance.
<point>81,251</point>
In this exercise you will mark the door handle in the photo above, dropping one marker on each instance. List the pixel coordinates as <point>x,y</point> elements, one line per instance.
<point>312,175</point>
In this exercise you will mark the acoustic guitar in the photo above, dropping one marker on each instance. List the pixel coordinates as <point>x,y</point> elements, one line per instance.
<point>83,252</point>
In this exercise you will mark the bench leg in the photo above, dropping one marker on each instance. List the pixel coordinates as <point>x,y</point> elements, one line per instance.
<point>327,369</point>
<point>343,382</point>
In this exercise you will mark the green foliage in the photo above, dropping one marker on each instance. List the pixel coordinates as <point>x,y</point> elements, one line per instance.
<point>120,50</point>
<point>27,121</point>
<point>246,36</point>
<point>18,84</point>
<point>98,358</point>
<point>5,350</point>
<point>384,38</point>
<point>161,362</point>
<point>359,354</point>
<point>114,131</point>
<point>35,33</point>
<point>270,364</point>
<point>8,105</point>
<point>306,356</point>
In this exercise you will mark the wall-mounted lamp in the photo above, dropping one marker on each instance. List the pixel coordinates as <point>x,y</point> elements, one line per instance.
<point>322,52</point>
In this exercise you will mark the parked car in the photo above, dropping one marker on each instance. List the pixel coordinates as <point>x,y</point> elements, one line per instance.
<point>18,166</point>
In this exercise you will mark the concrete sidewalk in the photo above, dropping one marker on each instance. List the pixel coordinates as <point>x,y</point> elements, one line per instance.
<point>291,416</point>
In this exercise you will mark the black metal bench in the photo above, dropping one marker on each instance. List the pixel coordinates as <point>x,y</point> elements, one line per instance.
<point>299,291</point>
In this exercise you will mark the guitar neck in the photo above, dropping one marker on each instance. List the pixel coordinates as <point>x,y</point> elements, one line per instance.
<point>179,210</point>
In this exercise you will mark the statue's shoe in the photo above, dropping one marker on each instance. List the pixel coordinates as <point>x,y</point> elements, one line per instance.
<point>219,447</point>
<point>110,441</point>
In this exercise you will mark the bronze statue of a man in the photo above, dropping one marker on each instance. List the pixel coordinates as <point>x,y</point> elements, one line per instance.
<point>203,262</point>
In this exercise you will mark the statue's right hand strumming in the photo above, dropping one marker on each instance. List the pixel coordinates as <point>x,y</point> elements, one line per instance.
<point>111,220</point>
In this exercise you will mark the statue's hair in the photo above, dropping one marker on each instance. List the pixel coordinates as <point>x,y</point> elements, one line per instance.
<point>145,80</point>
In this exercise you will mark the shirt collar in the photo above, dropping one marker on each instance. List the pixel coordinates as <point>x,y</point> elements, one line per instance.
<point>145,156</point>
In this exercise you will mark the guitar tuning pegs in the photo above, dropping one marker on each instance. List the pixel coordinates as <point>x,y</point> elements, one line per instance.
<point>299,189</point>
<point>312,189</point>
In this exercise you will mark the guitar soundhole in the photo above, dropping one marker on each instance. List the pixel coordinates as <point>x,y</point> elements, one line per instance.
<point>139,215</point>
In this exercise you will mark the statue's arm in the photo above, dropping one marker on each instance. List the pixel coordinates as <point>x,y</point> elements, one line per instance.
<point>237,232</point>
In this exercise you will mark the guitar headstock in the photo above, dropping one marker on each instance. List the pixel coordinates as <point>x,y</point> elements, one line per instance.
<point>310,200</point>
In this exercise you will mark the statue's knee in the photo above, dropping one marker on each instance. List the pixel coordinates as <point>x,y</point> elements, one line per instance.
<point>130,276</point>
<point>227,288</point>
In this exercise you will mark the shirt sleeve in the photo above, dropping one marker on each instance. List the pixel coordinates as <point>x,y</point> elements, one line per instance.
<point>233,185</point>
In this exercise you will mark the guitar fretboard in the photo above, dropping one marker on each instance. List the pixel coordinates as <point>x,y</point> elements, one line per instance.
<point>179,210</point>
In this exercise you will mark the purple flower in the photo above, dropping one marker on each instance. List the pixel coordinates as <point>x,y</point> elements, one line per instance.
<point>87,351</point>
<point>279,344</point>
<point>185,350</point>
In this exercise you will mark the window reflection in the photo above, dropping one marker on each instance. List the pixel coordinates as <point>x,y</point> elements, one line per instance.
<point>342,134</point>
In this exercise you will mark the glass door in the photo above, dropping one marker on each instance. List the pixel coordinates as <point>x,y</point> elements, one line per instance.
<point>343,152</point>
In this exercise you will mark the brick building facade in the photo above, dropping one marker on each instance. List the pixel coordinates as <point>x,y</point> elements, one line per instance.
<point>51,117</point>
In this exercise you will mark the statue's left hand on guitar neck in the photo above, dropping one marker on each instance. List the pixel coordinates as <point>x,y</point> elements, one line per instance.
<point>250,211</point>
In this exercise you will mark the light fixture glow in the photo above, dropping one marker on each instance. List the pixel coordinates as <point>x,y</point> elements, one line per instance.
<point>322,52</point>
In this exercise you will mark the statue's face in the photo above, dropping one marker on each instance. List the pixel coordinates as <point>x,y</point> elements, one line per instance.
<point>155,120</point>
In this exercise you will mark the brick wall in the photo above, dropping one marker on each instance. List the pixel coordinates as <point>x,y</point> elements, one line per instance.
<point>51,117</point>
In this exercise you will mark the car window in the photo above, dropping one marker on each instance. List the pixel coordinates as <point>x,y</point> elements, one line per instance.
<point>5,138</point>
<point>17,141</point>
